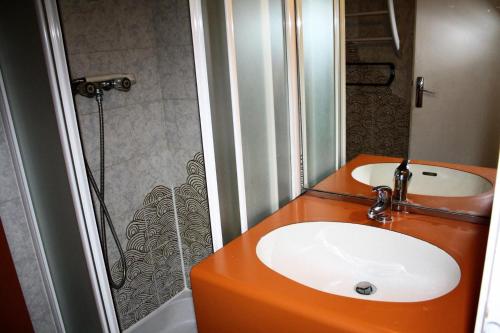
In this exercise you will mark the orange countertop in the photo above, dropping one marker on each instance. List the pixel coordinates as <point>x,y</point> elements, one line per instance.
<point>342,182</point>
<point>234,292</point>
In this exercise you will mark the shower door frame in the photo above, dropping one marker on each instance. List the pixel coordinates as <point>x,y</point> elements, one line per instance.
<point>339,92</point>
<point>293,104</point>
<point>206,116</point>
<point>206,122</point>
<point>54,49</point>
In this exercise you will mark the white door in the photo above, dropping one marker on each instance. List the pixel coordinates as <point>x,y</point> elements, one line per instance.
<point>457,52</point>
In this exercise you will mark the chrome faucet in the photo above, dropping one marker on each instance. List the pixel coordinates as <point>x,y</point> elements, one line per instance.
<point>381,210</point>
<point>402,177</point>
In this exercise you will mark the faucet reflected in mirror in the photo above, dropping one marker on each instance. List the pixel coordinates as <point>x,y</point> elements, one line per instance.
<point>402,177</point>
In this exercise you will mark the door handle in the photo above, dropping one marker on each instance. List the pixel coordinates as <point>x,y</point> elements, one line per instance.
<point>419,92</point>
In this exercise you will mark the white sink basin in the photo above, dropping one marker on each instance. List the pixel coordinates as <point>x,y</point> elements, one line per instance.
<point>334,257</point>
<point>426,179</point>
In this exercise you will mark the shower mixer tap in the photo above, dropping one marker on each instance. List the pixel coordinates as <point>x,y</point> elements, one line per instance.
<point>381,210</point>
<point>91,85</point>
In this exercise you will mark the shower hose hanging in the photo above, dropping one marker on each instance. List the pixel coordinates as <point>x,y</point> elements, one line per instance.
<point>94,87</point>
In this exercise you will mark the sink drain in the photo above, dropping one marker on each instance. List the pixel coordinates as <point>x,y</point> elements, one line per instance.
<point>365,288</point>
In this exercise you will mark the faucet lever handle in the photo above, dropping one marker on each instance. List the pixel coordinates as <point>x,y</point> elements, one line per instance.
<point>381,210</point>
<point>383,191</point>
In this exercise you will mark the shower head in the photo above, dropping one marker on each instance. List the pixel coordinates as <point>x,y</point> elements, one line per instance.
<point>89,86</point>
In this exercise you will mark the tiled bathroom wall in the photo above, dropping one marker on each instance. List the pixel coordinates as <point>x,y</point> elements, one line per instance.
<point>155,180</point>
<point>21,246</point>
<point>378,118</point>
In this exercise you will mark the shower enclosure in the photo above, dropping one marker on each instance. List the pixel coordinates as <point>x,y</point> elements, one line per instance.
<point>155,187</point>
<point>150,186</point>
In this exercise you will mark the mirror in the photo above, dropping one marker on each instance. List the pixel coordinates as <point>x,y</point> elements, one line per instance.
<point>421,81</point>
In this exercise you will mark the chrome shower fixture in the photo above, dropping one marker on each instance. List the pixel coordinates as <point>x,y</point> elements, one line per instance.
<point>94,86</point>
<point>91,86</point>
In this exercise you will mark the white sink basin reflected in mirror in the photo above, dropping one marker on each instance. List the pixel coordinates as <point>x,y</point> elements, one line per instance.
<point>426,179</point>
<point>335,257</point>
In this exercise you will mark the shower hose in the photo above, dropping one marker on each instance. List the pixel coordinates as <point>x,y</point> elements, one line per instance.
<point>104,213</point>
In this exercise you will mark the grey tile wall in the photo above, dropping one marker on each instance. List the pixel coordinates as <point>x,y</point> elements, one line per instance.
<point>153,258</point>
<point>153,141</point>
<point>153,249</point>
<point>16,228</point>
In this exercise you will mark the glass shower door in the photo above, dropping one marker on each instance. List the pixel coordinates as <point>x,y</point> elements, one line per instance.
<point>319,91</point>
<point>260,59</point>
<point>246,57</point>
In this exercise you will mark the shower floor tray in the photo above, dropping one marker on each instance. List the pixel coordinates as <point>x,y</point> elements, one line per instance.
<point>175,316</point>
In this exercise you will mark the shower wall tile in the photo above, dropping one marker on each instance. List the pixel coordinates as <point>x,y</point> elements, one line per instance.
<point>136,24</point>
<point>168,269</point>
<point>178,59</point>
<point>149,305</point>
<point>143,63</point>
<point>183,12</point>
<point>172,23</point>
<point>177,72</point>
<point>152,245</point>
<point>130,131</point>
<point>184,136</point>
<point>153,258</point>
<point>138,296</point>
<point>95,62</point>
<point>193,215</point>
<point>90,25</point>
<point>160,226</point>
<point>176,170</point>
<point>176,86</point>
<point>128,183</point>
<point>105,25</point>
<point>182,125</point>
